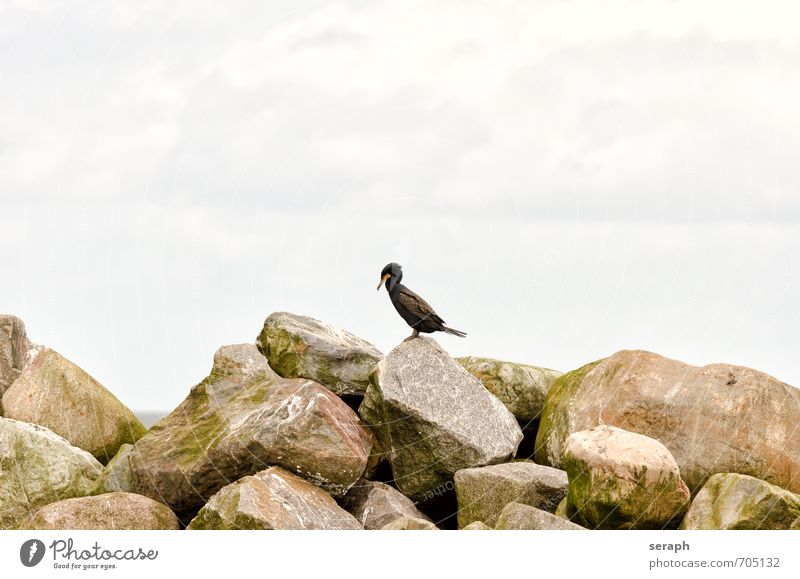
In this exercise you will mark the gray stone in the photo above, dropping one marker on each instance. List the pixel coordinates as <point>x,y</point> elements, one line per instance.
<point>302,347</point>
<point>272,499</point>
<point>16,352</point>
<point>55,393</point>
<point>521,387</point>
<point>622,480</point>
<point>406,523</point>
<point>240,420</point>
<point>433,418</point>
<point>718,418</point>
<point>113,511</point>
<point>477,526</point>
<point>484,491</point>
<point>117,475</point>
<point>375,504</point>
<point>516,516</point>
<point>38,468</point>
<point>737,501</point>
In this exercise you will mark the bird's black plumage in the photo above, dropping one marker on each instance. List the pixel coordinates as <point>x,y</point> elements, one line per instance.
<point>412,308</point>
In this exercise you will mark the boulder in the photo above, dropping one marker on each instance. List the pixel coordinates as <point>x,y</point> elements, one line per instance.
<point>406,523</point>
<point>114,511</point>
<point>522,388</point>
<point>240,420</point>
<point>55,393</point>
<point>516,516</point>
<point>434,418</point>
<point>477,526</point>
<point>717,418</point>
<point>117,475</point>
<point>38,468</point>
<point>622,480</point>
<point>737,501</point>
<point>16,352</point>
<point>484,491</point>
<point>302,347</point>
<point>375,505</point>
<point>272,499</point>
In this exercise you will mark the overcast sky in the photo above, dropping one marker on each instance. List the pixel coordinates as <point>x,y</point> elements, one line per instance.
<point>561,180</point>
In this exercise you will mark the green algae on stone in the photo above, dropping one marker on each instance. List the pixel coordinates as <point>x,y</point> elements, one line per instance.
<point>272,499</point>
<point>302,347</point>
<point>117,475</point>
<point>521,387</point>
<point>622,480</point>
<point>55,393</point>
<point>554,424</point>
<point>516,516</point>
<point>38,468</point>
<point>736,501</point>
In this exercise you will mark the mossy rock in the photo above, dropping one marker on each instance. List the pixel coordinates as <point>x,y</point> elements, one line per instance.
<point>117,475</point>
<point>55,393</point>
<point>38,468</point>
<point>302,347</point>
<point>272,499</point>
<point>736,501</point>
<point>521,387</point>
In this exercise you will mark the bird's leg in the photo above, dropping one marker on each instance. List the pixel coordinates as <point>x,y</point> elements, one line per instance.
<point>415,334</point>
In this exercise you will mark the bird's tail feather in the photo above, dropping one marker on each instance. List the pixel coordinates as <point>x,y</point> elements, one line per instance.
<point>458,333</point>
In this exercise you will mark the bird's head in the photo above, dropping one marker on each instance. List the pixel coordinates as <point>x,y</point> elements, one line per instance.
<point>390,275</point>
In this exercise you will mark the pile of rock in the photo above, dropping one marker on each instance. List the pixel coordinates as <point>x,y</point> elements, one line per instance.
<point>271,440</point>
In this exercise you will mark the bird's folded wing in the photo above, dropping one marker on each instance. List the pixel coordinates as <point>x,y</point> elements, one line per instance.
<point>417,306</point>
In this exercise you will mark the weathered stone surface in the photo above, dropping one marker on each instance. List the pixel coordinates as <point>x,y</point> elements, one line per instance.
<point>477,526</point>
<point>522,388</point>
<point>484,491</point>
<point>717,418</point>
<point>622,480</point>
<point>516,516</point>
<point>272,499</point>
<point>116,511</point>
<point>240,420</point>
<point>302,347</point>
<point>39,467</point>
<point>117,475</point>
<point>15,352</point>
<point>375,505</point>
<point>433,418</point>
<point>737,501</point>
<point>406,523</point>
<point>55,393</point>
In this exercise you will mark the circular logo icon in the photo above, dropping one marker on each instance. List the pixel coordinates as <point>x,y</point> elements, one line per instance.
<point>31,552</point>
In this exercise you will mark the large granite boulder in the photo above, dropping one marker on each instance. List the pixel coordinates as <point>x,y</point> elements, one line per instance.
<point>113,511</point>
<point>519,517</point>
<point>375,505</point>
<point>117,475</point>
<point>16,352</point>
<point>485,491</point>
<point>38,467</point>
<point>272,499</point>
<point>434,418</point>
<point>302,347</point>
<point>622,480</point>
<point>240,420</point>
<point>522,388</point>
<point>737,501</point>
<point>55,393</point>
<point>717,418</point>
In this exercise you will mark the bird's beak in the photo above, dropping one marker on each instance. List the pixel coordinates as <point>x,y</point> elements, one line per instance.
<point>383,279</point>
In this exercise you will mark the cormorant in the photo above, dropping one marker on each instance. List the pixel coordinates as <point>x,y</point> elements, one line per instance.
<point>414,310</point>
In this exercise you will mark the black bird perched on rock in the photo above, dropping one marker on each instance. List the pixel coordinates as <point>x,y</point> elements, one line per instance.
<point>414,310</point>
